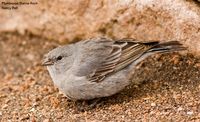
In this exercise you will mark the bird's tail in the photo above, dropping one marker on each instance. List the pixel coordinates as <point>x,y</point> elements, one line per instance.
<point>165,47</point>
<point>157,47</point>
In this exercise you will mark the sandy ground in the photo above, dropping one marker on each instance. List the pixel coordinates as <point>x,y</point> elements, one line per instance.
<point>169,89</point>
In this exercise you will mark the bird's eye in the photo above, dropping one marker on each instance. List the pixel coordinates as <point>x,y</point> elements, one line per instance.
<point>59,58</point>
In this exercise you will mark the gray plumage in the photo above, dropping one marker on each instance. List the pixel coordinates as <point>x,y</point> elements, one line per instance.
<point>99,67</point>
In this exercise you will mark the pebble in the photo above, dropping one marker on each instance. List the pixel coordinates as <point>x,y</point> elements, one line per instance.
<point>153,104</point>
<point>46,120</point>
<point>189,112</point>
<point>24,117</point>
<point>5,106</point>
<point>180,109</point>
<point>30,57</point>
<point>32,109</point>
<point>197,65</point>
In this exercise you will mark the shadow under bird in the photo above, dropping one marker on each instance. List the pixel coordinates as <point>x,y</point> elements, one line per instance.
<point>99,67</point>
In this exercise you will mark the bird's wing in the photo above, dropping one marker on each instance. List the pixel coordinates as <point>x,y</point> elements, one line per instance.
<point>106,56</point>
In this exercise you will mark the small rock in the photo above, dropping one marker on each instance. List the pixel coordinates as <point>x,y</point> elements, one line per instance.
<point>180,109</point>
<point>197,65</point>
<point>152,112</point>
<point>175,59</point>
<point>189,112</point>
<point>153,104</point>
<point>46,120</point>
<point>5,106</point>
<point>30,57</point>
<point>59,115</point>
<point>7,101</point>
<point>35,104</point>
<point>54,102</point>
<point>3,95</point>
<point>24,117</point>
<point>32,109</point>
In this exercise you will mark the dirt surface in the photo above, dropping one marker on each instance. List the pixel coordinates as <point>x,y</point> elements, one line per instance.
<point>170,88</point>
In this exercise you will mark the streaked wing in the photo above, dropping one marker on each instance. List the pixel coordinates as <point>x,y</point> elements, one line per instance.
<point>123,53</point>
<point>108,65</point>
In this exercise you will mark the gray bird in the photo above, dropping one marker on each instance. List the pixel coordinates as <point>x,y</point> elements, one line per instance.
<point>99,67</point>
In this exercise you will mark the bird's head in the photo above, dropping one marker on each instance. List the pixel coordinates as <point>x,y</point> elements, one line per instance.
<point>59,60</point>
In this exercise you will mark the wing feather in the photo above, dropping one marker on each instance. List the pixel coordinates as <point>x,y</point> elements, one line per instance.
<point>122,54</point>
<point>108,65</point>
<point>119,54</point>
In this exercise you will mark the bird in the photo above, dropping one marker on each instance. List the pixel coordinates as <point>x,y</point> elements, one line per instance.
<point>100,67</point>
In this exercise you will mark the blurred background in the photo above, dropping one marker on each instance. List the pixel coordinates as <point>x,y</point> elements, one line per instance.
<point>166,87</point>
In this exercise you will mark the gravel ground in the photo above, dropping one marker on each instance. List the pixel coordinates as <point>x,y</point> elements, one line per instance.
<point>168,88</point>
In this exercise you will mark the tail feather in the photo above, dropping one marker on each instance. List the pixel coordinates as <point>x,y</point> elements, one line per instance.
<point>167,47</point>
<point>156,47</point>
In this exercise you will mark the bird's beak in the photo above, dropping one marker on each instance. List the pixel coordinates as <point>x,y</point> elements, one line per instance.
<point>47,62</point>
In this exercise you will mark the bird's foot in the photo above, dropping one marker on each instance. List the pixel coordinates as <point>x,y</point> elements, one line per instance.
<point>85,105</point>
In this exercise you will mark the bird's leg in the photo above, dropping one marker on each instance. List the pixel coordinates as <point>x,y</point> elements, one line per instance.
<point>93,103</point>
<point>84,105</point>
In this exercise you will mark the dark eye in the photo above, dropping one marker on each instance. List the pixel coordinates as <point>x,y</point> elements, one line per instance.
<point>59,58</point>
